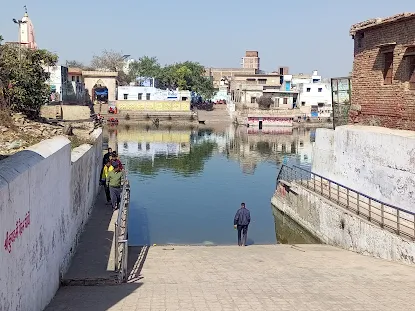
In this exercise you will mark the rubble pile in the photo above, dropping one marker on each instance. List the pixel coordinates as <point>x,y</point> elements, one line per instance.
<point>21,132</point>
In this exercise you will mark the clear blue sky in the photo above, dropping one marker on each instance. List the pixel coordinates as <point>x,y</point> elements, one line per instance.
<point>302,34</point>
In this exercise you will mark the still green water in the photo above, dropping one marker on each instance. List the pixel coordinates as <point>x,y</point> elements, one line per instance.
<point>186,184</point>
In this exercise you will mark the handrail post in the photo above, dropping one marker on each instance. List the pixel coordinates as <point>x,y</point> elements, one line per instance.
<point>126,260</point>
<point>347,198</point>
<point>398,224</point>
<point>382,217</point>
<point>329,189</point>
<point>370,209</point>
<point>358,203</point>
<point>321,185</point>
<point>314,181</point>
<point>295,174</point>
<point>116,247</point>
<point>338,194</point>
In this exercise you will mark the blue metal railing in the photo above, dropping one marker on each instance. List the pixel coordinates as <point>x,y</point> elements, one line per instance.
<point>388,216</point>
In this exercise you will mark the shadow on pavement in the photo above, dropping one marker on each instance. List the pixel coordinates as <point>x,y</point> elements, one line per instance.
<point>92,263</point>
<point>136,258</point>
<point>87,298</point>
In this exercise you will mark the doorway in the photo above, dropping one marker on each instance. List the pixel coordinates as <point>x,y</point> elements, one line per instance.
<point>260,125</point>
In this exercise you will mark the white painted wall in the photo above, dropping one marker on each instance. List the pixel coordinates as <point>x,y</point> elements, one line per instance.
<point>58,191</point>
<point>155,94</point>
<point>376,161</point>
<point>314,97</point>
<point>324,220</point>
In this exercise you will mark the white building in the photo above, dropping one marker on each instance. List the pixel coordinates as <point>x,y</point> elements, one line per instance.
<point>314,99</point>
<point>151,93</point>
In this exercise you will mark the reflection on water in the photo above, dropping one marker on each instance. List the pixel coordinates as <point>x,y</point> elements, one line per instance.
<point>188,183</point>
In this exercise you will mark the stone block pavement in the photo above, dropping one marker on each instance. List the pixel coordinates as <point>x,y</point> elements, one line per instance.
<point>260,278</point>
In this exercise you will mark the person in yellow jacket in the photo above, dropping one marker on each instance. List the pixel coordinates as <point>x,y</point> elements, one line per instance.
<point>107,168</point>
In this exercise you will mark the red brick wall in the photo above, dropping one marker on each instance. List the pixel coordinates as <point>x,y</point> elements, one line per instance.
<point>374,103</point>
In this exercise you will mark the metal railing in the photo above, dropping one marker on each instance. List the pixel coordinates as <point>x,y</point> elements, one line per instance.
<point>387,216</point>
<point>121,232</point>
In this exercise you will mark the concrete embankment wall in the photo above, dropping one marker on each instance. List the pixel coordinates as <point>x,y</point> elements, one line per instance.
<point>336,226</point>
<point>376,161</point>
<point>46,195</point>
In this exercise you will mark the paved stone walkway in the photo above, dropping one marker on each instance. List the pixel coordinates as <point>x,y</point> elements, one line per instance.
<point>93,261</point>
<point>260,278</point>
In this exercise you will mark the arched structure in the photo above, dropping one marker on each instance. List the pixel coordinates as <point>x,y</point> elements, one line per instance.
<point>99,80</point>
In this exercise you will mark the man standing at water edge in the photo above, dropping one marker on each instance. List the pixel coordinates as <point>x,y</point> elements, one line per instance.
<point>241,222</point>
<point>114,183</point>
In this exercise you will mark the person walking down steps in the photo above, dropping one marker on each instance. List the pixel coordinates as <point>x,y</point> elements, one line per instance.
<point>107,168</point>
<point>114,181</point>
<point>241,223</point>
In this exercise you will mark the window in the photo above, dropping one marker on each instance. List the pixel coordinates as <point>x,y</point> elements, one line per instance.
<point>359,38</point>
<point>302,103</point>
<point>262,81</point>
<point>139,146</point>
<point>77,79</point>
<point>148,96</point>
<point>308,89</point>
<point>140,96</point>
<point>320,89</point>
<point>147,146</point>
<point>388,68</point>
<point>320,105</point>
<point>301,143</point>
<point>125,96</point>
<point>411,60</point>
<point>253,100</point>
<point>285,101</point>
<point>73,78</point>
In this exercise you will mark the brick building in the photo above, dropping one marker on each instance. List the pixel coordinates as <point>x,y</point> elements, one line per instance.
<point>383,79</point>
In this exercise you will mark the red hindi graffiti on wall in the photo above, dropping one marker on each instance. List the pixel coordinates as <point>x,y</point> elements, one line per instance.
<point>12,236</point>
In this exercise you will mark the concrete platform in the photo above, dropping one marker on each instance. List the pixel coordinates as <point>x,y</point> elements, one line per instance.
<point>93,262</point>
<point>260,278</point>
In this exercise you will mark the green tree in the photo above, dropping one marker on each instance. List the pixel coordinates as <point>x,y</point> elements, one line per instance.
<point>187,76</point>
<point>23,79</point>
<point>145,67</point>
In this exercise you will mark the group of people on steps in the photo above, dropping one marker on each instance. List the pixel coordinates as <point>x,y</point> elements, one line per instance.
<point>112,178</point>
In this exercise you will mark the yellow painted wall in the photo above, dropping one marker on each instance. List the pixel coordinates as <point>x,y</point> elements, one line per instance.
<point>152,105</point>
<point>157,136</point>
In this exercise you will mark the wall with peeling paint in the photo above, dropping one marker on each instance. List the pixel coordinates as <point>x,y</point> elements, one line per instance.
<point>376,161</point>
<point>336,226</point>
<point>42,180</point>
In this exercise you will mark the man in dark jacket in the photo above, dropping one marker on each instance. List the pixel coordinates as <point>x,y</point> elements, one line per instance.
<point>241,222</point>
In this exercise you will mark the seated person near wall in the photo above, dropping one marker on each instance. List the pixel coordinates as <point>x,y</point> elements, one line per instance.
<point>115,159</point>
